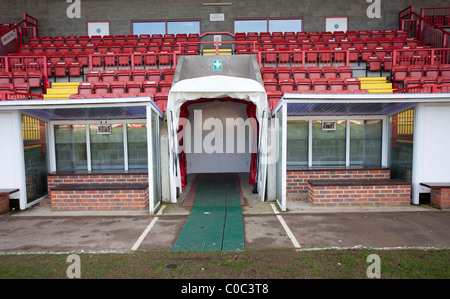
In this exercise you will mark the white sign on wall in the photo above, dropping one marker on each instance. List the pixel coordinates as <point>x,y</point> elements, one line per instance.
<point>216,17</point>
<point>97,28</point>
<point>336,24</point>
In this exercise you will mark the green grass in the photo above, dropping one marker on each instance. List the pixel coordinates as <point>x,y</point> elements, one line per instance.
<point>250,264</point>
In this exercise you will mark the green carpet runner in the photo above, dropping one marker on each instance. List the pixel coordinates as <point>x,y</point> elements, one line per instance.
<point>215,222</point>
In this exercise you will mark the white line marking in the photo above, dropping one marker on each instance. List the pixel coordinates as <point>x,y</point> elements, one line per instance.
<point>147,230</point>
<point>286,227</point>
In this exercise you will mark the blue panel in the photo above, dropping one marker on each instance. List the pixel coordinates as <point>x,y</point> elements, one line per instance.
<point>337,109</point>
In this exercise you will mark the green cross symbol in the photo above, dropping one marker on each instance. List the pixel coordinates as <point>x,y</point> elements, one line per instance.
<point>217,65</point>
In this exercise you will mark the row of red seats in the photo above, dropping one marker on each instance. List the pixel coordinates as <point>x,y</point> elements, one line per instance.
<point>141,75</point>
<point>18,87</point>
<point>33,78</point>
<point>401,72</point>
<point>324,55</point>
<point>121,87</point>
<point>58,64</point>
<point>396,42</point>
<point>316,84</point>
<point>311,72</point>
<point>363,34</point>
<point>415,75</point>
<point>108,39</point>
<point>411,82</point>
<point>103,48</point>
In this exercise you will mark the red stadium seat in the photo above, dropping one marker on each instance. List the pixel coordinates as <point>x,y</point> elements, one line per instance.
<point>374,64</point>
<point>154,75</point>
<point>123,75</point>
<point>74,69</point>
<point>286,85</point>
<point>415,71</point>
<point>165,86</point>
<point>5,77</point>
<point>303,84</point>
<point>101,88</point>
<point>6,87</point>
<point>319,84</point>
<point>352,84</point>
<point>314,72</point>
<point>93,76</point>
<point>444,70</point>
<point>138,75</point>
<point>270,84</point>
<point>118,87</point>
<point>134,87</point>
<point>85,88</point>
<point>299,72</point>
<point>108,75</point>
<point>336,84</point>
<point>168,74</point>
<point>329,72</point>
<point>22,87</point>
<point>34,78</point>
<point>268,72</point>
<point>150,87</point>
<point>345,71</point>
<point>283,72</point>
<point>411,82</point>
<point>399,72</point>
<point>60,69</point>
<point>431,71</point>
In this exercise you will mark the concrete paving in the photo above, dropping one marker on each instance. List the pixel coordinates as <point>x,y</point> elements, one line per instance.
<point>41,229</point>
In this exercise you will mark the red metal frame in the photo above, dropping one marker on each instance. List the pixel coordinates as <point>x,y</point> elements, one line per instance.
<point>439,16</point>
<point>304,56</point>
<point>16,96</point>
<point>426,32</point>
<point>20,34</point>
<point>426,88</point>
<point>421,56</point>
<point>6,64</point>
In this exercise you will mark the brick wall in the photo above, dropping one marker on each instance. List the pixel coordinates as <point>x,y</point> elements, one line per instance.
<point>297,180</point>
<point>360,195</point>
<point>4,203</point>
<point>440,198</point>
<point>52,18</point>
<point>54,180</point>
<point>90,200</point>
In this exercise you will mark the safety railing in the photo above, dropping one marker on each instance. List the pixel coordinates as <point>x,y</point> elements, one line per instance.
<point>27,63</point>
<point>423,29</point>
<point>17,35</point>
<point>425,88</point>
<point>132,60</point>
<point>421,56</point>
<point>305,58</point>
<point>19,96</point>
<point>440,16</point>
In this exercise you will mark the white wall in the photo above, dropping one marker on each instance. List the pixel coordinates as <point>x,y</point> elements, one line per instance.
<point>432,145</point>
<point>11,155</point>
<point>204,162</point>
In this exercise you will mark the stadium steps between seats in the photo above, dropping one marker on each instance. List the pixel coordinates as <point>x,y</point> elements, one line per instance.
<point>208,52</point>
<point>376,84</point>
<point>61,90</point>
